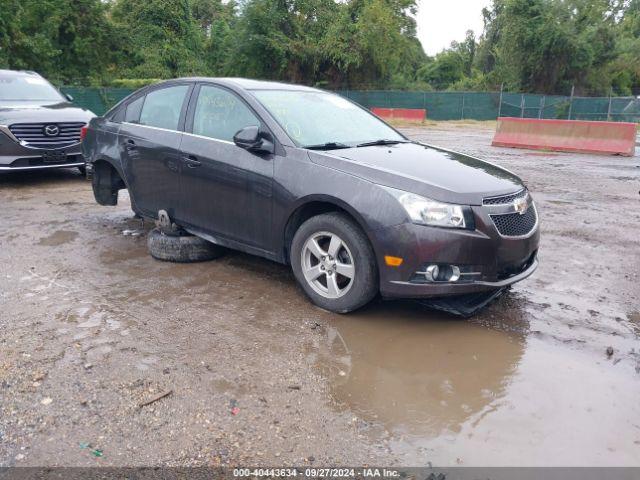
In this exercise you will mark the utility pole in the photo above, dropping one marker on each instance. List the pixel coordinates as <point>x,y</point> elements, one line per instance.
<point>500,104</point>
<point>609,109</point>
<point>522,105</point>
<point>541,111</point>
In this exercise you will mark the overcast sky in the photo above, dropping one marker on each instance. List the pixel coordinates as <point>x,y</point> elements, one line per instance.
<point>442,21</point>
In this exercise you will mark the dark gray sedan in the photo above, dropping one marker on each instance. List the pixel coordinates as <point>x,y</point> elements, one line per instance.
<point>39,126</point>
<point>306,177</point>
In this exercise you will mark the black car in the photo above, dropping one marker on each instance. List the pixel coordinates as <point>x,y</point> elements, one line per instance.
<point>39,126</point>
<point>306,177</point>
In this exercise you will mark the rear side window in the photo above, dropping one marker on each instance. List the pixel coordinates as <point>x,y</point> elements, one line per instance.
<point>132,113</point>
<point>162,107</point>
<point>220,114</point>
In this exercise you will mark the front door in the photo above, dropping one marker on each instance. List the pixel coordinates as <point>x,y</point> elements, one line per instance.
<point>226,190</point>
<point>150,148</point>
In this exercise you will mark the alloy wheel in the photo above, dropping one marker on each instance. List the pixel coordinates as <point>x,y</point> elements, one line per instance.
<point>327,265</point>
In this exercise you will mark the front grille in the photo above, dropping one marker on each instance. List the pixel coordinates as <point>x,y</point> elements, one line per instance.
<point>40,162</point>
<point>514,224</point>
<point>504,199</point>
<point>33,134</point>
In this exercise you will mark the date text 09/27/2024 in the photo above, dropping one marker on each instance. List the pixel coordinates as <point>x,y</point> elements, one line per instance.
<point>317,472</point>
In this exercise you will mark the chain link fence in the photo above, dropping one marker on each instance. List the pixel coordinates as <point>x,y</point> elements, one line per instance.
<point>441,105</point>
<point>96,99</point>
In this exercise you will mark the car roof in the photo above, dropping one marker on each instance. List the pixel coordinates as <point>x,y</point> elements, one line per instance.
<point>19,73</point>
<point>251,84</point>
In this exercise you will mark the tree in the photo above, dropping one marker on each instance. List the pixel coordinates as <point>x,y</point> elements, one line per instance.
<point>65,40</point>
<point>543,46</point>
<point>548,46</point>
<point>163,39</point>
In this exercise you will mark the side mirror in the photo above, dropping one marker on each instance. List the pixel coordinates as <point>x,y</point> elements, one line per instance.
<point>251,139</point>
<point>68,97</point>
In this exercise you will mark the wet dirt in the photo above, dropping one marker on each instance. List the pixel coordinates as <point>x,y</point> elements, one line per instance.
<point>91,327</point>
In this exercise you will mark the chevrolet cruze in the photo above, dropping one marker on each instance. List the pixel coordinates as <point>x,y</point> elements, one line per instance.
<point>305,177</point>
<point>39,126</point>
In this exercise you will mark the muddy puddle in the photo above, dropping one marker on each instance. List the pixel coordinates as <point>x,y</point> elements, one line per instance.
<point>454,392</point>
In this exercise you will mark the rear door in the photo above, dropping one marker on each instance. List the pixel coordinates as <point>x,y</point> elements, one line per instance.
<point>226,190</point>
<point>149,141</point>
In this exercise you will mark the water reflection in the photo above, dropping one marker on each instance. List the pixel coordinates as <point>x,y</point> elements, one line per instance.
<point>415,371</point>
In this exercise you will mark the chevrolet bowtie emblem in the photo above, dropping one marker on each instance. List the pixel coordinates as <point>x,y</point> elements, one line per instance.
<point>520,205</point>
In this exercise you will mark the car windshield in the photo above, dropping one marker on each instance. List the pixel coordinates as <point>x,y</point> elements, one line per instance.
<point>26,88</point>
<point>324,120</point>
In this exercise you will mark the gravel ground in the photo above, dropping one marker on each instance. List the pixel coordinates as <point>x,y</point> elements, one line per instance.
<point>91,328</point>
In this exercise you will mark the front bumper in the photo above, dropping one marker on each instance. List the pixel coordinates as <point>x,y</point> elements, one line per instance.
<point>15,156</point>
<point>495,260</point>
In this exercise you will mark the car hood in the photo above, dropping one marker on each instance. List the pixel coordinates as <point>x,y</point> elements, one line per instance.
<point>28,112</point>
<point>424,170</point>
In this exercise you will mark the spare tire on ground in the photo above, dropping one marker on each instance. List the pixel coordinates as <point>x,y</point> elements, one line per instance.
<point>181,248</point>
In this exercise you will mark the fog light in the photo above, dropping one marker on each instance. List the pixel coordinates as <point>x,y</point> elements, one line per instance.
<point>454,274</point>
<point>441,273</point>
<point>432,272</point>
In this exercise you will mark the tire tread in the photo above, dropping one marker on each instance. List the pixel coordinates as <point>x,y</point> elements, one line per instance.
<point>181,248</point>
<point>366,286</point>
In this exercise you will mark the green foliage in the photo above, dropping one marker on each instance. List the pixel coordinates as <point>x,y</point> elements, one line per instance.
<point>548,46</point>
<point>57,37</point>
<point>133,83</point>
<point>544,46</point>
<point>162,38</point>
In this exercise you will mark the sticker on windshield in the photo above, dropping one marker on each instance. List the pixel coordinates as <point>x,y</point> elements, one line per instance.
<point>293,129</point>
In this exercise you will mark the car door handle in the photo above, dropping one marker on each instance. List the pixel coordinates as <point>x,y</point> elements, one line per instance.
<point>130,145</point>
<point>191,161</point>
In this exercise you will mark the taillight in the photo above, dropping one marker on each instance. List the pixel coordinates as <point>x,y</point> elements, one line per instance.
<point>83,132</point>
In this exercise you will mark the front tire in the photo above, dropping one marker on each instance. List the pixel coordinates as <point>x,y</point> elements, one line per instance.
<point>334,263</point>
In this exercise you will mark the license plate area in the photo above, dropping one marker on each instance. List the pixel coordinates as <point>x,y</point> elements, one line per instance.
<point>54,156</point>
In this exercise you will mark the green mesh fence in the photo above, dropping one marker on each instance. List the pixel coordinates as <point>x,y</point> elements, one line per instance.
<point>490,105</point>
<point>96,99</point>
<point>440,105</point>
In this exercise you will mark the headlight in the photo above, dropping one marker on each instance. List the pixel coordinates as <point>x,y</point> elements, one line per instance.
<point>425,211</point>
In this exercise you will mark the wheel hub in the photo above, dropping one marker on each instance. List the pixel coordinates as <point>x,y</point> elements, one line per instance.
<point>327,265</point>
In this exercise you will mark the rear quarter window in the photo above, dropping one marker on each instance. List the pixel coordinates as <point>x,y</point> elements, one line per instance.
<point>133,109</point>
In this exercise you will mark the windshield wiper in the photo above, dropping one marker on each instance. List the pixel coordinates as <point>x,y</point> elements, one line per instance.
<point>382,141</point>
<point>327,146</point>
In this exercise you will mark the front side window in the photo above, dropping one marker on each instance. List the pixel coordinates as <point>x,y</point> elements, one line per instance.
<point>220,114</point>
<point>162,107</point>
<point>315,118</point>
<point>27,88</point>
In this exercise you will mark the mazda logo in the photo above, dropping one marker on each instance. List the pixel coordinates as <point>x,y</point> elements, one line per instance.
<point>51,130</point>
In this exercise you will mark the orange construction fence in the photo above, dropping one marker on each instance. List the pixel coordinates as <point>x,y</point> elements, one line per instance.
<point>566,135</point>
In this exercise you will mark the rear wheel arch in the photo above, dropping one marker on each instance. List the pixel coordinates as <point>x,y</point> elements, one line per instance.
<point>106,181</point>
